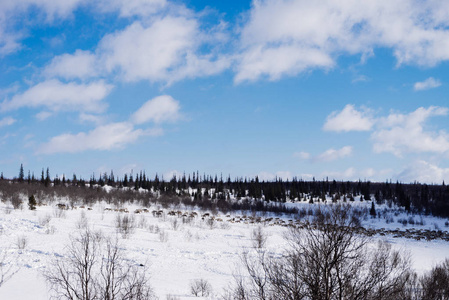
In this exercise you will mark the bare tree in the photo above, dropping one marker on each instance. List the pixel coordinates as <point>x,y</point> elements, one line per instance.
<point>326,260</point>
<point>95,268</point>
<point>258,237</point>
<point>200,287</point>
<point>7,269</point>
<point>435,284</point>
<point>125,225</point>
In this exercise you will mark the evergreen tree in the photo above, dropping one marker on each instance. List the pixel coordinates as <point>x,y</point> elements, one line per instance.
<point>21,174</point>
<point>372,211</point>
<point>32,202</point>
<point>47,178</point>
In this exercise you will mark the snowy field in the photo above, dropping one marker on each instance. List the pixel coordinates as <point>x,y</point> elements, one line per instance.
<point>176,252</point>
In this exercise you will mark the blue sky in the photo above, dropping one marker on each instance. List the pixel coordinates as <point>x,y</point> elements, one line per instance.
<point>341,89</point>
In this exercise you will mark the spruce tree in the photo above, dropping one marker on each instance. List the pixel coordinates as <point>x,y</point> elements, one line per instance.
<point>372,211</point>
<point>21,173</point>
<point>32,202</point>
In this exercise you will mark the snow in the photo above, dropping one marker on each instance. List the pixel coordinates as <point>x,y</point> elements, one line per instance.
<point>176,253</point>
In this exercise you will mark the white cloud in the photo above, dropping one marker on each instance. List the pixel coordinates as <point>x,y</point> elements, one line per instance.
<point>424,172</point>
<point>398,133</point>
<point>303,35</point>
<point>348,174</point>
<point>328,155</point>
<point>349,119</point>
<point>106,137</point>
<point>7,121</point>
<point>57,96</point>
<point>302,155</point>
<point>132,8</point>
<point>43,115</point>
<point>11,13</point>
<point>169,175</point>
<point>332,154</point>
<point>165,51</point>
<point>429,83</point>
<point>82,64</point>
<point>160,109</point>
<point>267,176</point>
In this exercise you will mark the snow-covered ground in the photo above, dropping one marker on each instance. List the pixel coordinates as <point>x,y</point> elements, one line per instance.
<point>176,252</point>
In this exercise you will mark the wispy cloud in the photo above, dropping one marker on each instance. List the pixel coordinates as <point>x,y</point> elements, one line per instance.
<point>116,135</point>
<point>106,137</point>
<point>429,83</point>
<point>55,95</point>
<point>328,155</point>
<point>7,121</point>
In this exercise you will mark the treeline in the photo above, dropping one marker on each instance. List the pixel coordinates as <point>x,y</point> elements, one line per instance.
<point>215,191</point>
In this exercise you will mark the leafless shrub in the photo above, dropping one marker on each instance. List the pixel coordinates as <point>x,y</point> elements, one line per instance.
<point>326,260</point>
<point>188,235</point>
<point>200,287</point>
<point>175,224</point>
<point>16,202</point>
<point>142,222</point>
<point>163,236</point>
<point>8,210</point>
<point>225,225</point>
<point>258,237</point>
<point>125,225</point>
<point>435,284</point>
<point>172,297</point>
<point>22,242</point>
<point>95,267</point>
<point>59,213</point>
<point>45,220</point>
<point>82,222</point>
<point>211,223</point>
<point>7,268</point>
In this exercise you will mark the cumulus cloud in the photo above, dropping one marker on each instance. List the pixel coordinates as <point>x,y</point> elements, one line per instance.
<point>349,119</point>
<point>57,96</point>
<point>304,35</point>
<point>81,64</point>
<point>105,137</point>
<point>424,172</point>
<point>429,83</point>
<point>160,109</point>
<point>115,135</point>
<point>166,51</point>
<point>7,121</point>
<point>398,133</point>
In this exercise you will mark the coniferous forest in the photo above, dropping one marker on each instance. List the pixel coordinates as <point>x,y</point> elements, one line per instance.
<point>226,194</point>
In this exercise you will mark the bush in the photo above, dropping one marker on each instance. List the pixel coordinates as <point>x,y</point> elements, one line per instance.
<point>22,242</point>
<point>125,225</point>
<point>326,260</point>
<point>7,269</point>
<point>435,284</point>
<point>200,287</point>
<point>258,237</point>
<point>95,267</point>
<point>32,203</point>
